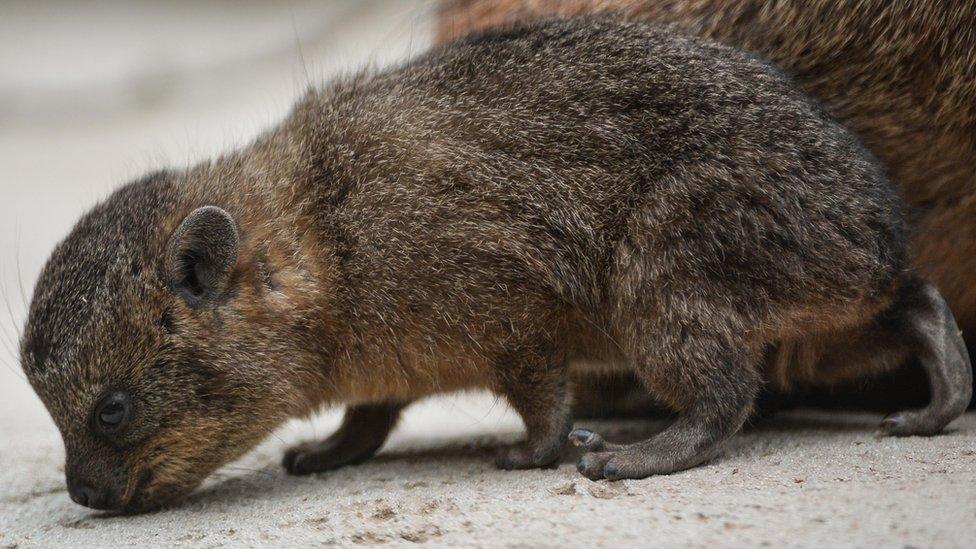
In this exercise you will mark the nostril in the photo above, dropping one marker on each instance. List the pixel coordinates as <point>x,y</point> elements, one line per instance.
<point>96,494</point>
<point>82,495</point>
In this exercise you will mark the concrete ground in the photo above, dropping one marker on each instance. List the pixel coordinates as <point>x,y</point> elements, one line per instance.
<point>804,479</point>
<point>92,95</point>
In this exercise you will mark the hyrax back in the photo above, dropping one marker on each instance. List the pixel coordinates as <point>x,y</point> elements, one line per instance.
<point>487,216</point>
<point>896,73</point>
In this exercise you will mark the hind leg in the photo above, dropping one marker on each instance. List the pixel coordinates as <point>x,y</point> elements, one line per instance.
<point>922,319</point>
<point>715,384</point>
<point>917,323</point>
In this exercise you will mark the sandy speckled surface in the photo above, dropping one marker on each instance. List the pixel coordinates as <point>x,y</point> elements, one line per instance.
<point>802,479</point>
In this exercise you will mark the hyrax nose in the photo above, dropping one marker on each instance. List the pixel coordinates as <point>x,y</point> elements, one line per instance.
<point>84,494</point>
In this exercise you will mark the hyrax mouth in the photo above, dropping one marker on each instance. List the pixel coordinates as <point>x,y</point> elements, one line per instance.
<point>136,500</point>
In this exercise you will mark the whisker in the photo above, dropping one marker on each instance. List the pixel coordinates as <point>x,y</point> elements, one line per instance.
<point>8,346</point>
<point>268,474</point>
<point>274,434</point>
<point>9,343</point>
<point>14,370</point>
<point>300,51</point>
<point>10,310</point>
<point>20,276</point>
<point>604,331</point>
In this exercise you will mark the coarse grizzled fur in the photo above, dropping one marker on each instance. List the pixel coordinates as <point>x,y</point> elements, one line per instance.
<point>566,195</point>
<point>901,75</point>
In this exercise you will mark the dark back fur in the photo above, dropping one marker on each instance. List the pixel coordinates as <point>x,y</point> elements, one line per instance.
<point>902,75</point>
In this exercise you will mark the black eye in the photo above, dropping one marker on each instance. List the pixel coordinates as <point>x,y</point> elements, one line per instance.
<point>113,412</point>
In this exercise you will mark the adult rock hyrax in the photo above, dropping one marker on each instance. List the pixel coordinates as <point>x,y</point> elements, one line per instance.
<point>517,204</point>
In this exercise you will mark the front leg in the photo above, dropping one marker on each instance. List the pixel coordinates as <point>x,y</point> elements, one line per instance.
<point>364,429</point>
<point>535,384</point>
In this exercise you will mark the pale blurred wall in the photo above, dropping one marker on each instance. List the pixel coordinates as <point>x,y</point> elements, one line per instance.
<point>95,93</point>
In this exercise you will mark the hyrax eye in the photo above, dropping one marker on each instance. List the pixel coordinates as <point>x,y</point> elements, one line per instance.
<point>113,412</point>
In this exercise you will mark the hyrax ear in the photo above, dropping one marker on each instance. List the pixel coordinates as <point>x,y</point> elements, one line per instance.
<point>201,255</point>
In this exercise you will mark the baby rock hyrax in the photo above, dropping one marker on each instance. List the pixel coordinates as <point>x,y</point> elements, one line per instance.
<point>493,214</point>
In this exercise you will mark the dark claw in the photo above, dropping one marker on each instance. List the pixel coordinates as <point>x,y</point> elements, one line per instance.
<point>581,437</point>
<point>892,421</point>
<point>584,438</point>
<point>292,463</point>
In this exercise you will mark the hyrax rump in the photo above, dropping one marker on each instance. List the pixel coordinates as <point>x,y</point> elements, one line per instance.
<point>563,195</point>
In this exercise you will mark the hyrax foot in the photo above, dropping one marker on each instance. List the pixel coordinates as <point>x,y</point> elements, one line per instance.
<point>362,433</point>
<point>656,456</point>
<point>544,446</point>
<point>316,457</point>
<point>911,423</point>
<point>695,436</point>
<point>528,456</point>
<point>931,330</point>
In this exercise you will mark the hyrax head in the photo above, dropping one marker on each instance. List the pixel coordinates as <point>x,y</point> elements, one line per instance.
<point>150,342</point>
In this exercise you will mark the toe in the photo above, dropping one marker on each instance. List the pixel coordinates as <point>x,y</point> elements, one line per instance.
<point>298,459</point>
<point>592,464</point>
<point>292,462</point>
<point>528,457</point>
<point>505,461</point>
<point>586,439</point>
<point>891,423</point>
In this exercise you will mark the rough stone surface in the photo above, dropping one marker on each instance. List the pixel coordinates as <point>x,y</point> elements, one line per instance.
<point>799,479</point>
<point>80,114</point>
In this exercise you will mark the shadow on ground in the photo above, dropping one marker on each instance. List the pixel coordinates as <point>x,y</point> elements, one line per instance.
<point>241,485</point>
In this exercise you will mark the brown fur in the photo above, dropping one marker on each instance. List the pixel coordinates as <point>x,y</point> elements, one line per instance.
<point>900,74</point>
<point>490,215</point>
